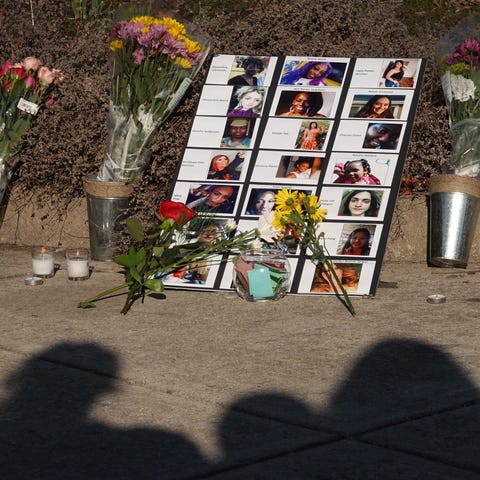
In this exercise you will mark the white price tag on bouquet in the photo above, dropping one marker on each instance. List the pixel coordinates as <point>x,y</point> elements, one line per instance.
<point>28,107</point>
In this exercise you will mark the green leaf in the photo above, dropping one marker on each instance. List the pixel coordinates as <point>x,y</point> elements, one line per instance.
<point>127,260</point>
<point>135,228</point>
<point>135,275</point>
<point>141,256</point>
<point>158,251</point>
<point>169,256</point>
<point>154,284</point>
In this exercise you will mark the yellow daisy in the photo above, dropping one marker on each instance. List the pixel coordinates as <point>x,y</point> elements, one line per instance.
<point>286,200</point>
<point>176,29</point>
<point>182,62</point>
<point>279,220</point>
<point>116,45</point>
<point>311,201</point>
<point>147,22</point>
<point>319,214</point>
<point>191,45</point>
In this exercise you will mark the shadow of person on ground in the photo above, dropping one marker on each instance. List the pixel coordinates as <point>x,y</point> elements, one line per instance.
<point>406,410</point>
<point>46,431</point>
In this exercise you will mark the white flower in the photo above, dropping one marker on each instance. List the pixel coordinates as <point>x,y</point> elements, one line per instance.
<point>231,225</point>
<point>462,88</point>
<point>256,244</point>
<point>265,230</point>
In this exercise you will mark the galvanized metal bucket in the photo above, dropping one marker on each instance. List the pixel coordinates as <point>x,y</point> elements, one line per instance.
<point>107,205</point>
<point>453,210</point>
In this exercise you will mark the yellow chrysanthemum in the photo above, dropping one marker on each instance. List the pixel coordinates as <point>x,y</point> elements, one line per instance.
<point>147,22</point>
<point>286,200</point>
<point>182,62</point>
<point>116,45</point>
<point>279,220</point>
<point>176,29</point>
<point>311,201</point>
<point>318,215</point>
<point>191,45</point>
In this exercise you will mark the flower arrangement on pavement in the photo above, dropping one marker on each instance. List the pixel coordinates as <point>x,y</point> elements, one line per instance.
<point>154,62</point>
<point>163,249</point>
<point>296,221</point>
<point>24,87</point>
<point>460,70</point>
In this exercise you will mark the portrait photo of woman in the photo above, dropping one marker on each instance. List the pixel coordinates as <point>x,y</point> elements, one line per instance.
<point>299,167</point>
<point>308,73</point>
<point>205,230</point>
<point>358,241</point>
<point>250,68</point>
<point>394,73</point>
<point>238,132</point>
<point>261,201</point>
<point>212,198</point>
<point>223,167</point>
<point>312,135</point>
<point>382,136</point>
<point>378,106</point>
<point>300,104</point>
<point>324,281</point>
<point>360,203</point>
<point>248,102</point>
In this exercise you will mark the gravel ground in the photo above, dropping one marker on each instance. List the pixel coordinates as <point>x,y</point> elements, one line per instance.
<point>68,141</point>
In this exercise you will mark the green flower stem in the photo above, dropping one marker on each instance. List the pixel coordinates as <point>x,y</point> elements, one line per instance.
<point>318,250</point>
<point>88,303</point>
<point>339,283</point>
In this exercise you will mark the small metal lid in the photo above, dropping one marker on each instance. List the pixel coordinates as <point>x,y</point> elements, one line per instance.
<point>33,281</point>
<point>436,299</point>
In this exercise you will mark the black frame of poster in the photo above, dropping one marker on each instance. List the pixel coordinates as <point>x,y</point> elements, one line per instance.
<point>324,125</point>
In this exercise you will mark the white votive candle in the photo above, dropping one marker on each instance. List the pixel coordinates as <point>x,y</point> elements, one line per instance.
<point>42,262</point>
<point>77,264</point>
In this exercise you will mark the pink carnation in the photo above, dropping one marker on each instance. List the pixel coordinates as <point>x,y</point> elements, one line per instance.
<point>31,63</point>
<point>127,31</point>
<point>17,72</point>
<point>467,52</point>
<point>59,75</point>
<point>5,68</point>
<point>138,55</point>
<point>30,82</point>
<point>173,48</point>
<point>46,76</point>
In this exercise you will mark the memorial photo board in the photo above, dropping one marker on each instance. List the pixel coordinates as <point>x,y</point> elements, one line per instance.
<point>325,125</point>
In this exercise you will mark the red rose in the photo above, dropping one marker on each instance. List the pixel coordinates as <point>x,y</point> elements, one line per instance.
<point>177,211</point>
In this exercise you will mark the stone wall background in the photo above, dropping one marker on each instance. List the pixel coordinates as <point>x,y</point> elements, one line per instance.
<point>68,140</point>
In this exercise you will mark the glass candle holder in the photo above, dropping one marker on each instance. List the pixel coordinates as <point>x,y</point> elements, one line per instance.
<point>77,263</point>
<point>43,262</point>
<point>261,275</point>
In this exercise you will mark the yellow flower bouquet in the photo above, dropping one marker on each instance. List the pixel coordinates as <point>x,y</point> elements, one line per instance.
<point>154,62</point>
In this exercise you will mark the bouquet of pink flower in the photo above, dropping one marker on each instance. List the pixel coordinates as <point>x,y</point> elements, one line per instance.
<point>24,86</point>
<point>154,62</point>
<point>460,71</point>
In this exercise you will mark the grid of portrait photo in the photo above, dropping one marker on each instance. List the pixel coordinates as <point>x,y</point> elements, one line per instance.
<point>336,127</point>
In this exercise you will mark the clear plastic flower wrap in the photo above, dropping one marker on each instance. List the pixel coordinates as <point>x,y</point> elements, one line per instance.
<point>155,58</point>
<point>459,66</point>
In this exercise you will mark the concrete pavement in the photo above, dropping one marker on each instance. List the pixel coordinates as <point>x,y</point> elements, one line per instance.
<point>205,385</point>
